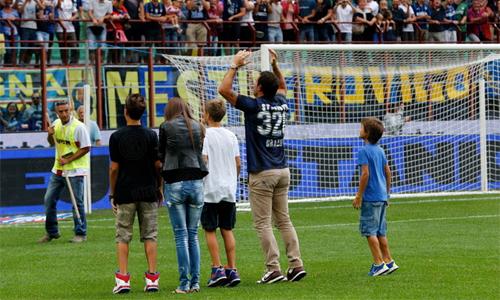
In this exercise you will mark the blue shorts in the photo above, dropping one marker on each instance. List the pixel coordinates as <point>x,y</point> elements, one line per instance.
<point>372,219</point>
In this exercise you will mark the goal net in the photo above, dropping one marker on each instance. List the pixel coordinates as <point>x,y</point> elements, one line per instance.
<point>440,105</point>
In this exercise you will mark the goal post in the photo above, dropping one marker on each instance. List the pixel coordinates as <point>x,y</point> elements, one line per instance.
<point>440,104</point>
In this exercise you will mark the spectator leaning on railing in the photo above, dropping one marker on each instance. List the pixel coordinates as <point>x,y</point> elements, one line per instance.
<point>196,33</point>
<point>45,25</point>
<point>451,17</point>
<point>261,13</point>
<point>422,16</point>
<point>398,16</point>
<point>322,13</point>
<point>215,17</point>
<point>172,26</point>
<point>436,26</point>
<point>246,22</point>
<point>478,29</point>
<point>274,28</point>
<point>135,29</point>
<point>233,11</point>
<point>116,31</point>
<point>99,12</point>
<point>408,32</point>
<point>390,25</point>
<point>11,34</point>
<point>364,28</point>
<point>290,14</point>
<point>461,16</point>
<point>155,14</point>
<point>344,13</point>
<point>67,11</point>
<point>306,8</point>
<point>28,30</point>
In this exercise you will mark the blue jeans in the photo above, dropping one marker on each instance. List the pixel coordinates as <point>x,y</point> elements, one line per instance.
<point>185,203</point>
<point>307,33</point>
<point>43,36</point>
<point>56,185</point>
<point>275,34</point>
<point>96,40</point>
<point>172,38</point>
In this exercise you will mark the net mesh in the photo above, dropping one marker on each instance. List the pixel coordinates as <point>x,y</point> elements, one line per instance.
<point>429,101</point>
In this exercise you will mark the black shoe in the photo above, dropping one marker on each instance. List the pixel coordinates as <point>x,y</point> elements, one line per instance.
<point>295,274</point>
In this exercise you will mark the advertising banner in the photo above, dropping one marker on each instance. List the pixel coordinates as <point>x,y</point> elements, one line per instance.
<point>319,168</point>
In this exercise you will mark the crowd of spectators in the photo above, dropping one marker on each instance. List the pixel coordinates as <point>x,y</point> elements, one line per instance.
<point>22,116</point>
<point>177,23</point>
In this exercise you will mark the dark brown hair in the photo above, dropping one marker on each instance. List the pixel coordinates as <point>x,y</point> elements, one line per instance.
<point>135,105</point>
<point>374,128</point>
<point>269,84</point>
<point>216,109</point>
<point>178,107</point>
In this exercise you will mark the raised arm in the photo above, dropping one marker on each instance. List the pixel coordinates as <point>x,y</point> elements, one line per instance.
<point>277,72</point>
<point>226,86</point>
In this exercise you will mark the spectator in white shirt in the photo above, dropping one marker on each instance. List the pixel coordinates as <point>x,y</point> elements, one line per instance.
<point>67,11</point>
<point>343,17</point>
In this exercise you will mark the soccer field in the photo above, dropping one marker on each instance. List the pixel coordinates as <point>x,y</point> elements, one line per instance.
<point>447,248</point>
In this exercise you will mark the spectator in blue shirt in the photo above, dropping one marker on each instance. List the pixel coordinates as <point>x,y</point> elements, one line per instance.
<point>422,15</point>
<point>373,196</point>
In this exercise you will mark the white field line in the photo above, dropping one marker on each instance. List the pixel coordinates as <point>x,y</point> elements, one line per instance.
<point>307,226</point>
<point>245,207</point>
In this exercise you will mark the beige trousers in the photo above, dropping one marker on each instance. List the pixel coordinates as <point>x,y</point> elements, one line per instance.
<point>269,203</point>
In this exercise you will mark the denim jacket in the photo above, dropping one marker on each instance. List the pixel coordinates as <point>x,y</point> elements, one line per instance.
<point>181,159</point>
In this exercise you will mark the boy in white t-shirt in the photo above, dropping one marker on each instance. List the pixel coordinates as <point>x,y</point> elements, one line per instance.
<point>222,156</point>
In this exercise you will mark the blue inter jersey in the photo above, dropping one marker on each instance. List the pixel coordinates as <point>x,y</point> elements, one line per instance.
<point>374,157</point>
<point>264,126</point>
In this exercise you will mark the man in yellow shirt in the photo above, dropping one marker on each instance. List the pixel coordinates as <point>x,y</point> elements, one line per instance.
<point>72,160</point>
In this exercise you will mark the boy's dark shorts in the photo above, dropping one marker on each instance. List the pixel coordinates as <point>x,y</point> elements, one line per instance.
<point>222,215</point>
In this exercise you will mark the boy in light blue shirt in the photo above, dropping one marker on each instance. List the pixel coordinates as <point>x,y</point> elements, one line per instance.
<point>373,195</point>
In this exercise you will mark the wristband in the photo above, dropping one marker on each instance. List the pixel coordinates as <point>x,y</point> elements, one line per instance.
<point>233,66</point>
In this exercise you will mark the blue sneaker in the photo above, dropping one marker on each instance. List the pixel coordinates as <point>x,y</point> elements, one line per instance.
<point>392,267</point>
<point>217,277</point>
<point>378,270</point>
<point>233,278</point>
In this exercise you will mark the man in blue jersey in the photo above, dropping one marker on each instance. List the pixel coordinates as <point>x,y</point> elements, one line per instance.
<point>269,176</point>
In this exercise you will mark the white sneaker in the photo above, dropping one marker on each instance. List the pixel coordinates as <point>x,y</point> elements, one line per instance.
<point>152,282</point>
<point>392,267</point>
<point>122,283</point>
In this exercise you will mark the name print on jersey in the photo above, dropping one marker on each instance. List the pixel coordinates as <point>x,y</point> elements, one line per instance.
<point>273,123</point>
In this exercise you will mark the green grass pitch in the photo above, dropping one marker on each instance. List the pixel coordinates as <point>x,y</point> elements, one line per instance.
<point>447,248</point>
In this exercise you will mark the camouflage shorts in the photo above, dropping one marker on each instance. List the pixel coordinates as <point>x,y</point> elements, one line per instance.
<point>147,213</point>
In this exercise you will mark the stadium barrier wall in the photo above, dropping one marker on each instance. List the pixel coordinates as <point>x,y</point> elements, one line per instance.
<point>25,172</point>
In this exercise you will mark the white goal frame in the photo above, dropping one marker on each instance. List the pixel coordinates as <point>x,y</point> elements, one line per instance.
<point>265,66</point>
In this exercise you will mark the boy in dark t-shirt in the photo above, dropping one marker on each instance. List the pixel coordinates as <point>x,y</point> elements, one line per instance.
<point>269,176</point>
<point>135,187</point>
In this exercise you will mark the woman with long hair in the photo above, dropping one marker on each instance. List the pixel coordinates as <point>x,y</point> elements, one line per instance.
<point>181,144</point>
